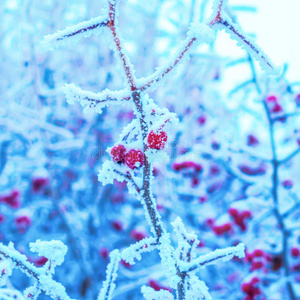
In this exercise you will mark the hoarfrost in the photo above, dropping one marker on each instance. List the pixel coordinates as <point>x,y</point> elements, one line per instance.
<point>111,275</point>
<point>150,294</point>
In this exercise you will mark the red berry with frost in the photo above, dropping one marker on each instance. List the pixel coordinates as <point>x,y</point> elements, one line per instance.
<point>157,140</point>
<point>134,159</point>
<point>39,184</point>
<point>118,154</point>
<point>295,252</point>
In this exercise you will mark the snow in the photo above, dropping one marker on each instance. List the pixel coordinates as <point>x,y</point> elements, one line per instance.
<point>53,250</point>
<point>134,251</point>
<point>150,294</point>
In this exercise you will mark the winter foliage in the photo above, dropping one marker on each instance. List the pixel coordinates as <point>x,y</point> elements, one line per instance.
<point>197,192</point>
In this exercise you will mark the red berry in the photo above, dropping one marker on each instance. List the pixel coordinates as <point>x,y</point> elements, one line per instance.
<point>288,184</point>
<point>276,108</point>
<point>271,98</point>
<point>246,214</point>
<point>295,252</point>
<point>233,212</point>
<point>103,252</point>
<point>40,261</point>
<point>134,159</point>
<point>22,223</point>
<point>38,184</point>
<point>256,265</point>
<point>118,154</point>
<point>157,140</point>
<point>252,140</point>
<point>252,171</point>
<point>137,235</point>
<point>202,120</point>
<point>117,225</point>
<point>13,199</point>
<point>258,253</point>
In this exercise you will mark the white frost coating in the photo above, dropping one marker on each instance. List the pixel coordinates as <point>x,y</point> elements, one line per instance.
<point>53,250</point>
<point>134,251</point>
<point>150,294</point>
<point>196,289</point>
<point>72,35</point>
<point>197,33</point>
<point>32,292</point>
<point>247,43</point>
<point>214,257</point>
<point>111,275</point>
<point>187,242</point>
<point>10,294</point>
<point>46,283</point>
<point>168,261</point>
<point>94,102</point>
<point>6,267</point>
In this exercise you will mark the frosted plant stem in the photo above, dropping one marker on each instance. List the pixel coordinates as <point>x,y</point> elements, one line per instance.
<point>279,217</point>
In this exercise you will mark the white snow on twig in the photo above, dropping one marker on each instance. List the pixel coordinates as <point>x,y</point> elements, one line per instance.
<point>72,35</point>
<point>111,275</point>
<point>94,102</point>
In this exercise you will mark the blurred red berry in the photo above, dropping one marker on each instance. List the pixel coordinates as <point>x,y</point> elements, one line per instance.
<point>38,184</point>
<point>137,235</point>
<point>12,199</point>
<point>117,225</point>
<point>252,140</point>
<point>287,184</point>
<point>295,252</point>
<point>104,253</point>
<point>40,261</point>
<point>202,120</point>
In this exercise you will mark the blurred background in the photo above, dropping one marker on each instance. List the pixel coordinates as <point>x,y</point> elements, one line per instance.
<point>50,152</point>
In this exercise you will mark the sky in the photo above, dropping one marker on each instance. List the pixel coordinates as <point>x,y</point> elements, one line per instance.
<point>277,27</point>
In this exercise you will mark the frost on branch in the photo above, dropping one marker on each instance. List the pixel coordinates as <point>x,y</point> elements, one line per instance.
<point>72,35</point>
<point>55,251</point>
<point>168,260</point>
<point>219,255</point>
<point>8,294</point>
<point>150,294</point>
<point>111,275</point>
<point>197,33</point>
<point>221,20</point>
<point>43,278</point>
<point>196,288</point>
<point>134,251</point>
<point>94,102</point>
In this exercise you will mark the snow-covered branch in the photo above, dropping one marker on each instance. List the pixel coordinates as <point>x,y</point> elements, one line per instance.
<point>94,101</point>
<point>72,35</point>
<point>54,251</point>
<point>134,251</point>
<point>214,257</point>
<point>197,33</point>
<point>111,275</point>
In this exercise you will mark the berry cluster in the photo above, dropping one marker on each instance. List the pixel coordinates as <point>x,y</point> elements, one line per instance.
<point>12,199</point>
<point>222,229</point>
<point>133,158</point>
<point>251,289</point>
<point>240,217</point>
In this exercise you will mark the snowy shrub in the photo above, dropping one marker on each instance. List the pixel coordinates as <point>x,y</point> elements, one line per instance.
<point>211,187</point>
